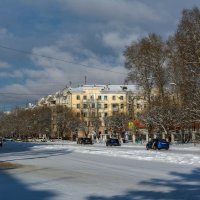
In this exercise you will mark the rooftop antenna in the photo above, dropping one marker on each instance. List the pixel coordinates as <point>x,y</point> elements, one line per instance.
<point>85,80</point>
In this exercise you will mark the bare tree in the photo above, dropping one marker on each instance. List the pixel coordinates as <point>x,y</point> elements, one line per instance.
<point>117,123</point>
<point>184,59</point>
<point>146,62</point>
<point>24,123</point>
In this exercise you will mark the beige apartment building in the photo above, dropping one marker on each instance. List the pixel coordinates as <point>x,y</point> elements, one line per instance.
<point>90,101</point>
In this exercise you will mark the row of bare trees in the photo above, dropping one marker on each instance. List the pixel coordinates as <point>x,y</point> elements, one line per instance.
<point>35,122</point>
<point>171,70</point>
<point>24,123</point>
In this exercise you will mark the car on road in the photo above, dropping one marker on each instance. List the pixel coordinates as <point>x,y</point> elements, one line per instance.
<point>1,141</point>
<point>84,141</point>
<point>43,140</point>
<point>157,144</point>
<point>113,142</point>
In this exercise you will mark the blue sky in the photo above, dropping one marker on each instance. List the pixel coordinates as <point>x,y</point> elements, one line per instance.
<point>93,33</point>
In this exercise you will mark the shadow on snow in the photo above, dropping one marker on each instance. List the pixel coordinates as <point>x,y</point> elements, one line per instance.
<point>180,187</point>
<point>22,151</point>
<point>12,188</point>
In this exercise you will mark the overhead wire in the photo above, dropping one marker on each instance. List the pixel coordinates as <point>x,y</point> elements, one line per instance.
<point>62,60</point>
<point>6,94</point>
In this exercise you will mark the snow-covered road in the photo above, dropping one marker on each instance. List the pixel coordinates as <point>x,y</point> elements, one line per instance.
<point>65,171</point>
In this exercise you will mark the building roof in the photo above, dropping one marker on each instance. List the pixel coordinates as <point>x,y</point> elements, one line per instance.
<point>82,88</point>
<point>113,88</point>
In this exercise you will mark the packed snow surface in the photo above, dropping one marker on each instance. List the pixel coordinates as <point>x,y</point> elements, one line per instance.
<point>137,152</point>
<point>67,171</point>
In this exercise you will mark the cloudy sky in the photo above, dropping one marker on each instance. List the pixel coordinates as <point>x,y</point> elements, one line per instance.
<point>66,40</point>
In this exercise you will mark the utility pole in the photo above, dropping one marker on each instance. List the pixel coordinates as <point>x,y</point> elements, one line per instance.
<point>27,103</point>
<point>85,80</point>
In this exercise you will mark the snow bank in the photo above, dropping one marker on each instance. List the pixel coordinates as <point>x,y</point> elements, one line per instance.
<point>141,154</point>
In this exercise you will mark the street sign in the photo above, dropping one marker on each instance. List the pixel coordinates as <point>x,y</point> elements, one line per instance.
<point>131,125</point>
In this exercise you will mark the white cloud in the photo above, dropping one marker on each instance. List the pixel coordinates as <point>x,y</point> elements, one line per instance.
<point>14,93</point>
<point>52,75</point>
<point>12,74</point>
<point>15,88</point>
<point>5,34</point>
<point>112,10</point>
<point>69,41</point>
<point>4,65</point>
<point>48,52</point>
<point>118,41</point>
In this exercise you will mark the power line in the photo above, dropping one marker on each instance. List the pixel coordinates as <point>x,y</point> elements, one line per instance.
<point>13,93</point>
<point>62,60</point>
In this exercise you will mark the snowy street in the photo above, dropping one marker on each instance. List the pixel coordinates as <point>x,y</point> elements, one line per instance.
<point>63,170</point>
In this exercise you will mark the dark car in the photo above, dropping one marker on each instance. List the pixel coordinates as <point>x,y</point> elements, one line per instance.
<point>157,144</point>
<point>113,142</point>
<point>84,141</point>
<point>1,142</point>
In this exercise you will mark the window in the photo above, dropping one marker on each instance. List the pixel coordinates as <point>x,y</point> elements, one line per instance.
<point>113,97</point>
<point>53,102</point>
<point>99,114</point>
<point>138,114</point>
<point>105,98</point>
<point>93,114</point>
<point>121,98</point>
<point>122,106</point>
<point>78,97</point>
<point>99,97</point>
<point>138,105</point>
<point>85,106</point>
<point>93,105</point>
<point>85,97</point>
<point>84,114</point>
<point>105,114</point>
<point>105,106</point>
<point>78,114</point>
<point>99,105</point>
<point>78,106</point>
<point>114,105</point>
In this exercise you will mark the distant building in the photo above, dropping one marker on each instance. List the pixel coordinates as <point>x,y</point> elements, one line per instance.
<point>89,101</point>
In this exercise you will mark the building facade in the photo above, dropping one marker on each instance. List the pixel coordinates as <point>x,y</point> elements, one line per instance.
<point>97,101</point>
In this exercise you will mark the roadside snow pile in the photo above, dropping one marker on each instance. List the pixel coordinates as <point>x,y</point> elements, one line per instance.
<point>186,147</point>
<point>161,156</point>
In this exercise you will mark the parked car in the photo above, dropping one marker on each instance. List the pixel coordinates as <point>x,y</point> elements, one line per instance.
<point>113,142</point>
<point>43,140</point>
<point>84,141</point>
<point>1,142</point>
<point>124,140</point>
<point>157,144</point>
